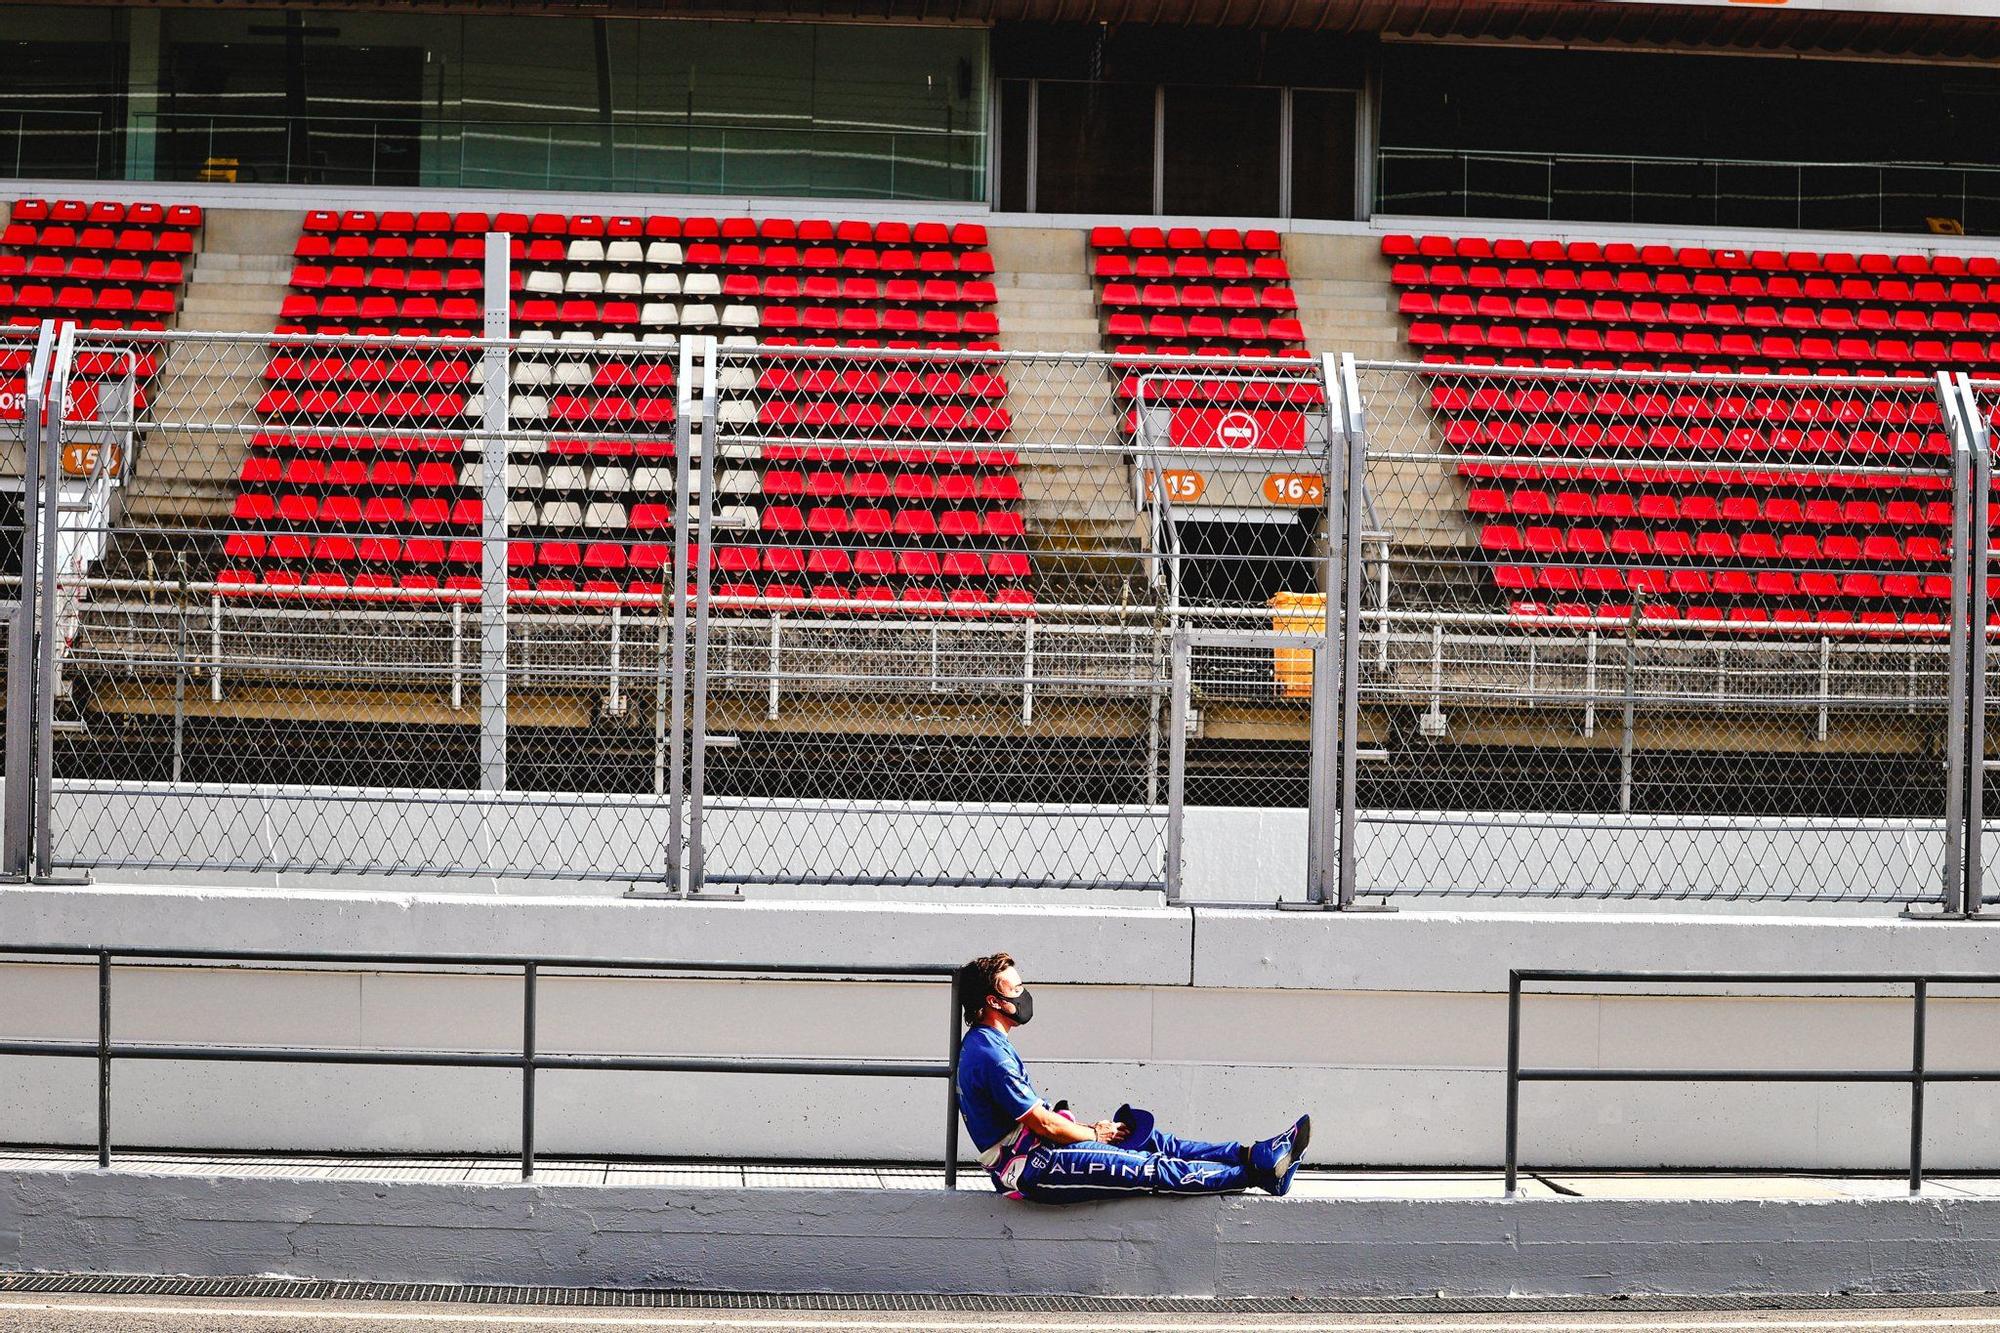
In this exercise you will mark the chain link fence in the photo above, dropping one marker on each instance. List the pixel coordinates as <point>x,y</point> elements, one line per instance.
<point>695,614</point>
<point>1649,635</point>
<point>681,615</point>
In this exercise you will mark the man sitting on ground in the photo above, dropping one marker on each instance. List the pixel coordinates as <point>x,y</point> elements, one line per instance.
<point>1041,1154</point>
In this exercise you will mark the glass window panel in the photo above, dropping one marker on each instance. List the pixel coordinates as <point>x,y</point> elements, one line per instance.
<point>1095,144</point>
<point>496,101</point>
<point>62,92</point>
<point>1323,154</point>
<point>1016,100</point>
<point>1222,151</point>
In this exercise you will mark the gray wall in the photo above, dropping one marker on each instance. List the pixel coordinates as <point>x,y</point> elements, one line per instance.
<point>1390,1028</point>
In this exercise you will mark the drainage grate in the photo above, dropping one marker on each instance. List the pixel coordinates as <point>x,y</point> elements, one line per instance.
<point>447,1293</point>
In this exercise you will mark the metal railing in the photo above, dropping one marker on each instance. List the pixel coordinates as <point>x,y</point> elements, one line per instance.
<point>105,1050</point>
<point>1690,191</point>
<point>687,154</point>
<point>1918,1076</point>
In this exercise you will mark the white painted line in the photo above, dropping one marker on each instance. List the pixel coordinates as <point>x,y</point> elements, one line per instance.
<point>784,1319</point>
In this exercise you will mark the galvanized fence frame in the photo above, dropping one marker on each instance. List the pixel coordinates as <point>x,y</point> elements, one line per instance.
<point>1070,645</point>
<point>1529,404</point>
<point>1361,582</point>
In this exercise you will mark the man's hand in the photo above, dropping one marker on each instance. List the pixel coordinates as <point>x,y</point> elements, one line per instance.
<point>1109,1131</point>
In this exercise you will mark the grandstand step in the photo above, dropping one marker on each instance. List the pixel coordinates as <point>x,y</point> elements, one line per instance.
<point>1047,303</point>
<point>1061,489</point>
<point>1047,316</point>
<point>1321,258</point>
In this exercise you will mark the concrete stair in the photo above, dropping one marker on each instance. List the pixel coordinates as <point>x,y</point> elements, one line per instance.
<point>1079,506</point>
<point>1045,299</point>
<point>237,287</point>
<point>1347,305</point>
<point>1345,301</point>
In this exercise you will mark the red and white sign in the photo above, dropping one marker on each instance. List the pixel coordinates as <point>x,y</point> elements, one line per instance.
<point>1236,429</point>
<point>14,401</point>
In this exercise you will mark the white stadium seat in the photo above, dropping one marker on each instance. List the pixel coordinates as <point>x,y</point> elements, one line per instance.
<point>604,514</point>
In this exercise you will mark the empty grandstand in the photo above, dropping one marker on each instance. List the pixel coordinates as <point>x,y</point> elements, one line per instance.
<point>836,414</point>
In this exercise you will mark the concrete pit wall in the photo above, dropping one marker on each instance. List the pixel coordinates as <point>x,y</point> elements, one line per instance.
<point>1389,1028</point>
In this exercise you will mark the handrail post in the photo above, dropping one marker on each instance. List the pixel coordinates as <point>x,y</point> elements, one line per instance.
<point>17,821</point>
<point>951,1083</point>
<point>1513,1078</point>
<point>1979,542</point>
<point>1952,890</point>
<point>1179,701</point>
<point>104,1059</point>
<point>1921,994</point>
<point>528,1071</point>
<point>496,361</point>
<point>1350,632</point>
<point>56,409</point>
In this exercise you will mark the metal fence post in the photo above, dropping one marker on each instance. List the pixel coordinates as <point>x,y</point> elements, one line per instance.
<point>703,559</point>
<point>50,612</point>
<point>494,371</point>
<point>1350,630</point>
<point>104,1059</point>
<point>1980,534</point>
<point>677,577</point>
<point>16,837</point>
<point>1953,889</point>
<point>951,1083</point>
<point>1921,997</point>
<point>1177,712</point>
<point>1322,853</point>
<point>1513,1131</point>
<point>528,980</point>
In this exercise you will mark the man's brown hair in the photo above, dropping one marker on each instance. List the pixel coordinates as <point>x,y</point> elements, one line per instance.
<point>976,981</point>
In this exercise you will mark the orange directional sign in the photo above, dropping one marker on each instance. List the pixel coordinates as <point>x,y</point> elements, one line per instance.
<point>79,459</point>
<point>1179,485</point>
<point>1295,488</point>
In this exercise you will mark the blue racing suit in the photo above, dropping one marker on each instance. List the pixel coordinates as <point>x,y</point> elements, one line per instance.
<point>994,1093</point>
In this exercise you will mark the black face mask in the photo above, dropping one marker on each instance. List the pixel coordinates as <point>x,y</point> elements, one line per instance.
<point>1024,1006</point>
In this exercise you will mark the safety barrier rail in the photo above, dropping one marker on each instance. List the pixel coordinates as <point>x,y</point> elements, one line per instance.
<point>1918,1076</point>
<point>1687,191</point>
<point>105,1050</point>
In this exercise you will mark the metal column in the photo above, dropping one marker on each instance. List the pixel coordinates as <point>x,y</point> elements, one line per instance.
<point>495,372</point>
<point>17,820</point>
<point>703,558</point>
<point>1952,891</point>
<point>1322,851</point>
<point>1979,541</point>
<point>677,587</point>
<point>49,611</point>
<point>1356,434</point>
<point>1177,711</point>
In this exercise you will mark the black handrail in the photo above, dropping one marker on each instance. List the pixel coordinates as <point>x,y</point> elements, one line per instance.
<point>104,1050</point>
<point>1918,1075</point>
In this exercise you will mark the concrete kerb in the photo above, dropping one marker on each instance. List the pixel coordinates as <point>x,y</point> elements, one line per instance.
<point>932,1242</point>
